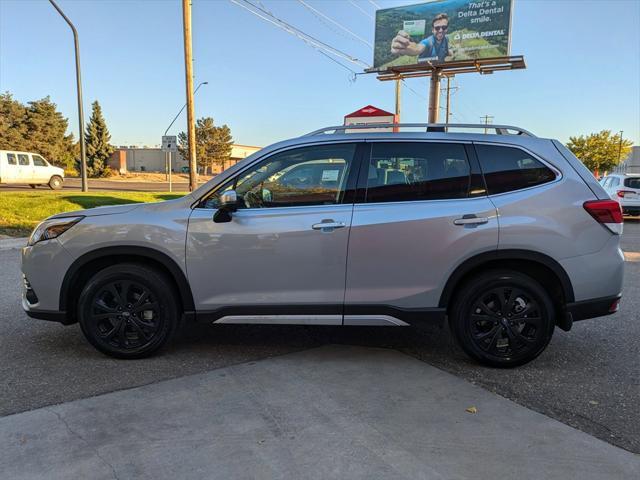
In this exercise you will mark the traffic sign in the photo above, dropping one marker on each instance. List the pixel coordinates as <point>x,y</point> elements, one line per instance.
<point>169,143</point>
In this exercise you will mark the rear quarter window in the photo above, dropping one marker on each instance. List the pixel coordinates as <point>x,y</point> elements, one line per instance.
<point>632,182</point>
<point>507,169</point>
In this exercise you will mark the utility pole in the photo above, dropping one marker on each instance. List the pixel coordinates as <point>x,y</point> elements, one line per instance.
<point>83,155</point>
<point>188,71</point>
<point>449,88</point>
<point>486,120</point>
<point>620,147</point>
<point>398,99</point>
<point>434,96</point>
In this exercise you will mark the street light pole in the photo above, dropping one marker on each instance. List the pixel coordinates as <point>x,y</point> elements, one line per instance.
<point>83,157</point>
<point>188,72</point>
<point>184,106</point>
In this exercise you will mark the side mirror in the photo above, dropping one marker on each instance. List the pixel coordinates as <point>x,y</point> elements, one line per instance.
<point>228,204</point>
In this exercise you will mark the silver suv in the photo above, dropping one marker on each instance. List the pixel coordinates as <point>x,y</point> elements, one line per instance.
<point>505,234</point>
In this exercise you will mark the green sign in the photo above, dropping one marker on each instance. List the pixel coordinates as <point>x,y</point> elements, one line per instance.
<point>442,31</point>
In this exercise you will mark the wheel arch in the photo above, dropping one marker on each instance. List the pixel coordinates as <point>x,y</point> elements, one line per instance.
<point>536,264</point>
<point>89,263</point>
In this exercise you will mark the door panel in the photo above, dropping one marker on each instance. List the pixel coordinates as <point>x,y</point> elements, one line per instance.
<point>401,254</point>
<point>284,252</point>
<point>423,210</point>
<point>268,257</point>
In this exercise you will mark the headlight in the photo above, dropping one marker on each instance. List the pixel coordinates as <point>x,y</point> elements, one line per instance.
<point>52,228</point>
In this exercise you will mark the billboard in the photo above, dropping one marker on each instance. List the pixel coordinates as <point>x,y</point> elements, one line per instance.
<point>442,31</point>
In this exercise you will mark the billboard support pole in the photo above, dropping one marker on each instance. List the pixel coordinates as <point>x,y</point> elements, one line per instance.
<point>398,97</point>
<point>434,96</point>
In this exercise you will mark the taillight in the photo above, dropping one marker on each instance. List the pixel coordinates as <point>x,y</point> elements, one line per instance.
<point>607,212</point>
<point>622,193</point>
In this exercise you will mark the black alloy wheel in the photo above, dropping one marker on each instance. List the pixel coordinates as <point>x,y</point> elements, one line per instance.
<point>128,311</point>
<point>503,318</point>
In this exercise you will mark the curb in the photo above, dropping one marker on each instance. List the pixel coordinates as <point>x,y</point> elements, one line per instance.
<point>11,243</point>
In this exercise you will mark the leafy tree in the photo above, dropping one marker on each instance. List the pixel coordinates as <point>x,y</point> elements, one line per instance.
<point>38,127</point>
<point>600,151</point>
<point>213,144</point>
<point>97,144</point>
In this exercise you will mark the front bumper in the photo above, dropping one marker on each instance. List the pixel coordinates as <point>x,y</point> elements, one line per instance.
<point>43,266</point>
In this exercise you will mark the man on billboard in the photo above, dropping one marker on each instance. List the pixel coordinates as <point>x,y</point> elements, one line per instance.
<point>434,47</point>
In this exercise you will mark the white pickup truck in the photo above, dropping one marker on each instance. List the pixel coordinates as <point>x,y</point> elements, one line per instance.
<point>29,168</point>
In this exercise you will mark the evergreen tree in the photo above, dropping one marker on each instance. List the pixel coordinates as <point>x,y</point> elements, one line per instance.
<point>213,144</point>
<point>97,143</point>
<point>13,123</point>
<point>37,128</point>
<point>46,132</point>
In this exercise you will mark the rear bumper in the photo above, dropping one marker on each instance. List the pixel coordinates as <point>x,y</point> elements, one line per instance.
<point>596,307</point>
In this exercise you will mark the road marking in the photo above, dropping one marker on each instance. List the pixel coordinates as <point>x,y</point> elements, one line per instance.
<point>632,256</point>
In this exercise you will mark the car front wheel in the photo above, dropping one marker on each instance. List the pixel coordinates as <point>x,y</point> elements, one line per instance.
<point>55,183</point>
<point>502,318</point>
<point>128,310</point>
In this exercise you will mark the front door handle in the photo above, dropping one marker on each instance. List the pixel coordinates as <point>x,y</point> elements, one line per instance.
<point>328,225</point>
<point>470,220</point>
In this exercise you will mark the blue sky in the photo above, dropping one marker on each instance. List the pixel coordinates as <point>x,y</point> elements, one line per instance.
<point>583,70</point>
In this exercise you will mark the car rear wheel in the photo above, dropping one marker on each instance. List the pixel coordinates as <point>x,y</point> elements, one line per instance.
<point>502,318</point>
<point>55,183</point>
<point>128,310</point>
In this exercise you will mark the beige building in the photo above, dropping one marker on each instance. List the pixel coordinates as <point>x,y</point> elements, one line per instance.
<point>128,159</point>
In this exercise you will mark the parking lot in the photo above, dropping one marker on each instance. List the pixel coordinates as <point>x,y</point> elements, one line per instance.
<point>588,378</point>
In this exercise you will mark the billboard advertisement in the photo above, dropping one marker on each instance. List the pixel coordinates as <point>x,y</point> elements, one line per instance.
<point>442,31</point>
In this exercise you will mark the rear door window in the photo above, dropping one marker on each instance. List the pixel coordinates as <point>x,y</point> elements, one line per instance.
<point>409,171</point>
<point>38,161</point>
<point>11,158</point>
<point>23,159</point>
<point>507,168</point>
<point>633,182</point>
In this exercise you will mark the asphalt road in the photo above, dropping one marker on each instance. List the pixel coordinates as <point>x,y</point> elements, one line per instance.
<point>102,185</point>
<point>588,378</point>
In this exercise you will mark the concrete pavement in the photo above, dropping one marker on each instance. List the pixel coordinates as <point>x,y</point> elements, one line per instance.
<point>329,412</point>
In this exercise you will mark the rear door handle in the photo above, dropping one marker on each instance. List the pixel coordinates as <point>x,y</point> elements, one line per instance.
<point>328,225</point>
<point>470,220</point>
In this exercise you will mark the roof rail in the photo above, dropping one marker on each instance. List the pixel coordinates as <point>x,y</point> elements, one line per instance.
<point>429,127</point>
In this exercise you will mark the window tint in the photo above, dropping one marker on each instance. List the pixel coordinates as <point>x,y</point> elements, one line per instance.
<point>38,161</point>
<point>11,158</point>
<point>23,159</point>
<point>632,182</point>
<point>403,171</point>
<point>615,181</point>
<point>506,169</point>
<point>303,176</point>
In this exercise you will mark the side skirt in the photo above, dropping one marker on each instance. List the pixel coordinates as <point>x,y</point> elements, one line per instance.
<point>353,315</point>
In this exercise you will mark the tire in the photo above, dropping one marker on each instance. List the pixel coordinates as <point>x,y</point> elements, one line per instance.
<point>32,185</point>
<point>499,329</point>
<point>112,313</point>
<point>55,183</point>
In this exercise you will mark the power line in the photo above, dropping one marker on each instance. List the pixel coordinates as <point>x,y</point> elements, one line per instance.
<point>339,25</point>
<point>265,15</point>
<point>374,4</point>
<point>367,14</point>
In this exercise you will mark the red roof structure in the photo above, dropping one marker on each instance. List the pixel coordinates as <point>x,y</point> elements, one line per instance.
<point>369,111</point>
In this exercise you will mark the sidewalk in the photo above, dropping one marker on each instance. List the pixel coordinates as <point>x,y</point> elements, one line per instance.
<point>331,412</point>
<point>8,243</point>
